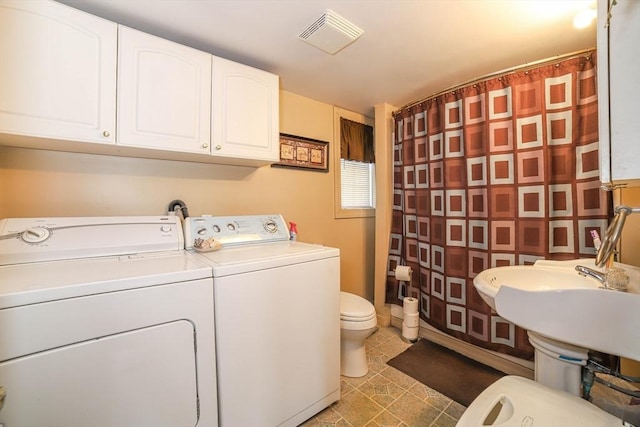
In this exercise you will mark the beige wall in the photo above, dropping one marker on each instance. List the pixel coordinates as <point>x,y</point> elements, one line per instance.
<point>384,125</point>
<point>630,252</point>
<point>630,240</point>
<point>48,183</point>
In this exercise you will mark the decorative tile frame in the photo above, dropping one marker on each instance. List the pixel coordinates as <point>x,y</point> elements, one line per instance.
<point>303,153</point>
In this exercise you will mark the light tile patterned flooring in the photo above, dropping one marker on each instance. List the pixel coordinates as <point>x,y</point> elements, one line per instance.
<point>386,396</point>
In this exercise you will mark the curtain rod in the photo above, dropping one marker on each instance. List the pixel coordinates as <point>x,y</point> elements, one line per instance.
<point>498,73</point>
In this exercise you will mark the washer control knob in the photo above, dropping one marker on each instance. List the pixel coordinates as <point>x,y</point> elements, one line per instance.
<point>201,231</point>
<point>165,228</point>
<point>35,235</point>
<point>216,228</point>
<point>231,226</point>
<point>271,226</point>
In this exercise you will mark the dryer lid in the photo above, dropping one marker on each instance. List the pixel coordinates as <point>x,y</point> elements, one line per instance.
<point>354,307</point>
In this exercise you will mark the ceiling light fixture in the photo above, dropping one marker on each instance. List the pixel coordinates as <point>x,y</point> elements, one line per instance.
<point>331,33</point>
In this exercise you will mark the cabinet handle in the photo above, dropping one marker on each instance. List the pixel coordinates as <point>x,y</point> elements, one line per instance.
<point>205,145</point>
<point>106,133</point>
<point>218,147</point>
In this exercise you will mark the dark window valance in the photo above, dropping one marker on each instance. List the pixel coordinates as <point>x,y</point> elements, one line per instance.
<point>356,141</point>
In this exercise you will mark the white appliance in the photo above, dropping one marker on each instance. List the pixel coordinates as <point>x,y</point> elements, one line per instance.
<point>277,320</point>
<point>104,321</point>
<point>520,402</point>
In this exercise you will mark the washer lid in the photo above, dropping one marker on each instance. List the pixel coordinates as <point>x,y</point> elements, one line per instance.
<point>355,308</point>
<point>261,256</point>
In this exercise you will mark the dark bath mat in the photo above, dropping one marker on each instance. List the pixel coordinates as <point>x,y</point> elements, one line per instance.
<point>456,376</point>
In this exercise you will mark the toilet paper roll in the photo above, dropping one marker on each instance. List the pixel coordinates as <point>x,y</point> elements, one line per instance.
<point>410,305</point>
<point>403,273</point>
<point>409,333</point>
<point>411,319</point>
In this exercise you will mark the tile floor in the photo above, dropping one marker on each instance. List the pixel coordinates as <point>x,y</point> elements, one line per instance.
<point>386,396</point>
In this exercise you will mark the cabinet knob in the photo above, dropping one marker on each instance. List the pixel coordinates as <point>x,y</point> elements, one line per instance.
<point>205,145</point>
<point>106,133</point>
<point>218,147</point>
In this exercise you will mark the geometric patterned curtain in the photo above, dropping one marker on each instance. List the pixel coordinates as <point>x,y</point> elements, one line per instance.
<point>501,172</point>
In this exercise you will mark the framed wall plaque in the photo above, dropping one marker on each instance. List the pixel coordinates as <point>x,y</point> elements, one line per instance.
<point>303,153</point>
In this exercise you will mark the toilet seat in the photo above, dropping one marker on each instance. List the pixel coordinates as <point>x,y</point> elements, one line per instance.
<point>358,318</point>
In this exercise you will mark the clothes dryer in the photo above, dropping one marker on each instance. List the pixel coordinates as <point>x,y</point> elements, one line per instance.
<point>106,322</point>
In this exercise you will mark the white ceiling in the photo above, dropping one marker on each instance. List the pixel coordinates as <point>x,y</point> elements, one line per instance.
<point>410,49</point>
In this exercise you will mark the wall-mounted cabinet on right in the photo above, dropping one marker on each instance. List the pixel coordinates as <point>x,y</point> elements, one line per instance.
<point>619,91</point>
<point>245,113</point>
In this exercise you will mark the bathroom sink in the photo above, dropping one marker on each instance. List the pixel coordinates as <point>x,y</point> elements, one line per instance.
<point>529,278</point>
<point>552,299</point>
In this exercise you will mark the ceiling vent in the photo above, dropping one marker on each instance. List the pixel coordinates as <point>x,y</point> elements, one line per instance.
<point>331,33</point>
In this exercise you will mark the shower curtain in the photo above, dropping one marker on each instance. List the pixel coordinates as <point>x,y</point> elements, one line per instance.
<point>501,172</point>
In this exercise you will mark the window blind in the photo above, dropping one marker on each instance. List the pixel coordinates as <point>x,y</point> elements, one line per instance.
<point>357,184</point>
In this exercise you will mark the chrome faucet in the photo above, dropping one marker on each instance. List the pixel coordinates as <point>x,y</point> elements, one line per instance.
<point>586,271</point>
<point>613,233</point>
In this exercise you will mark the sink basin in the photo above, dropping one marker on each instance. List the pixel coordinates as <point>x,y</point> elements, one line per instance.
<point>553,300</point>
<point>529,278</point>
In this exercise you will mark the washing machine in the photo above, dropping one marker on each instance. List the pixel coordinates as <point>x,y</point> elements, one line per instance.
<point>277,319</point>
<point>104,321</point>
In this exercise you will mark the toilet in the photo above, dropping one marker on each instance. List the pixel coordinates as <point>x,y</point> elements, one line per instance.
<point>515,402</point>
<point>357,322</point>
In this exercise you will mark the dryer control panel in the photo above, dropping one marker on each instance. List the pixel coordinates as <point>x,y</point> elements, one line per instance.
<point>235,230</point>
<point>27,240</point>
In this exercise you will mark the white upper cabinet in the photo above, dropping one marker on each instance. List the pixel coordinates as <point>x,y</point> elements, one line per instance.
<point>59,90</point>
<point>245,113</point>
<point>57,72</point>
<point>619,92</point>
<point>164,94</point>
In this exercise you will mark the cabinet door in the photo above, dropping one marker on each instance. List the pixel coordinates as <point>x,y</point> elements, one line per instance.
<point>58,72</point>
<point>619,91</point>
<point>164,94</point>
<point>245,112</point>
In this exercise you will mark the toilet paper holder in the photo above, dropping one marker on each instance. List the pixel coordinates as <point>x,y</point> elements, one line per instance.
<point>410,316</point>
<point>403,273</point>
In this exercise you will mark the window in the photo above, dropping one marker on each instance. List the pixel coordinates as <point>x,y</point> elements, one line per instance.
<point>354,179</point>
<point>357,187</point>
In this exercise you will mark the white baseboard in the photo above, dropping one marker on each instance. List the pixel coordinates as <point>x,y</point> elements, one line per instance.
<point>502,362</point>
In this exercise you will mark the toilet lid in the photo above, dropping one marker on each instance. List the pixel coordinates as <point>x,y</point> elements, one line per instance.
<point>355,308</point>
<point>516,401</point>
<point>357,319</point>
